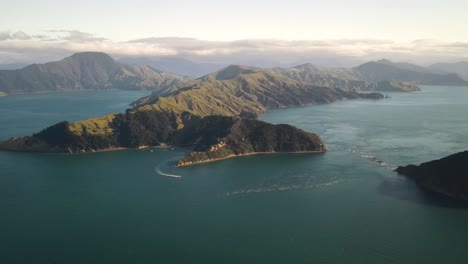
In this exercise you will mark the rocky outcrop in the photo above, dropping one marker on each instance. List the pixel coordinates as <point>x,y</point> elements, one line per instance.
<point>29,144</point>
<point>373,96</point>
<point>447,176</point>
<point>217,137</point>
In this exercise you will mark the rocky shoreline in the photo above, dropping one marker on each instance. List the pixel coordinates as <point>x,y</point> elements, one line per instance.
<point>186,164</point>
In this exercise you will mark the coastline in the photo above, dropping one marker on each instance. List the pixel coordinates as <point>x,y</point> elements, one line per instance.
<point>250,154</point>
<point>124,148</point>
<point>64,91</point>
<point>44,149</point>
<point>71,91</point>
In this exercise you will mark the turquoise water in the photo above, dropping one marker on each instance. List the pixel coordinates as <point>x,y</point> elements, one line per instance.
<point>341,207</point>
<point>26,114</point>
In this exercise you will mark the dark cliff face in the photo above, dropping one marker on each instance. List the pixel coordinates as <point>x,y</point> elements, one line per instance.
<point>218,137</point>
<point>447,176</point>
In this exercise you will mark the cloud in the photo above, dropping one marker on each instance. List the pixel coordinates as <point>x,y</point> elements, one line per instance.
<point>4,36</point>
<point>457,45</point>
<point>74,35</point>
<point>56,44</point>
<point>266,47</point>
<point>18,35</point>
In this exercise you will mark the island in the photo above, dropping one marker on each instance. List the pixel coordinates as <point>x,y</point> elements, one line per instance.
<point>210,138</point>
<point>447,176</point>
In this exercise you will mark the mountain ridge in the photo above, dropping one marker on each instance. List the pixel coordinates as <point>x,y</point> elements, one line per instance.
<point>81,71</point>
<point>460,68</point>
<point>385,70</point>
<point>174,65</point>
<point>236,88</point>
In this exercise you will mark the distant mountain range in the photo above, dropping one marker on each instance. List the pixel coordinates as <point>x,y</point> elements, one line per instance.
<point>95,70</point>
<point>460,68</point>
<point>12,66</point>
<point>88,70</point>
<point>342,78</point>
<point>404,72</point>
<point>175,65</point>
<point>450,74</point>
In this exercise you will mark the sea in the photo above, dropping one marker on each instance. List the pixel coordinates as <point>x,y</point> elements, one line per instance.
<point>344,206</point>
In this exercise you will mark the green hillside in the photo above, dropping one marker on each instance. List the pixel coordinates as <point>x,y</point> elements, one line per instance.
<point>239,88</point>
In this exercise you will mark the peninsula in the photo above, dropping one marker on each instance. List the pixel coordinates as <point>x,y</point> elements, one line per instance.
<point>447,176</point>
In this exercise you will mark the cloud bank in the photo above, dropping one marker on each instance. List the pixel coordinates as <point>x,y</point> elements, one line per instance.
<point>20,47</point>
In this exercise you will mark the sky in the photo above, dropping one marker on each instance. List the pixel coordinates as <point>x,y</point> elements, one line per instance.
<point>220,31</point>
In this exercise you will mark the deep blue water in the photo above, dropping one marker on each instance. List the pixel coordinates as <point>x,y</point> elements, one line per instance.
<point>340,207</point>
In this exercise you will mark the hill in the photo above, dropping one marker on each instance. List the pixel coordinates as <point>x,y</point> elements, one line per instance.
<point>238,88</point>
<point>460,68</point>
<point>88,70</point>
<point>12,66</point>
<point>174,65</point>
<point>447,176</point>
<point>341,78</point>
<point>385,70</point>
<point>216,138</point>
<point>211,138</point>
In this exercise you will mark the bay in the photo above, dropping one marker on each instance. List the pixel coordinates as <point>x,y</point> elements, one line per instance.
<point>346,206</point>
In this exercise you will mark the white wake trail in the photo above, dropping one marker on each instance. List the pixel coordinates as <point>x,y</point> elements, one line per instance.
<point>158,171</point>
<point>370,157</point>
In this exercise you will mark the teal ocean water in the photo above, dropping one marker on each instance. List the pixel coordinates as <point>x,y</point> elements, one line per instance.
<point>346,206</point>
